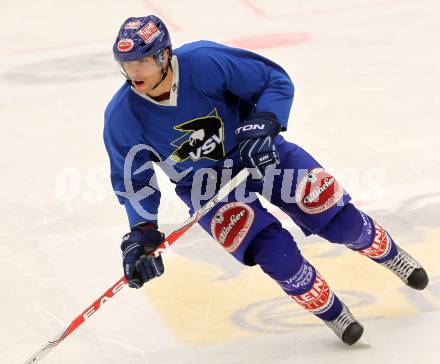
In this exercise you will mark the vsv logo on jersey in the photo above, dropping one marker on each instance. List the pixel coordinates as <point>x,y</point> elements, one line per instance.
<point>203,138</point>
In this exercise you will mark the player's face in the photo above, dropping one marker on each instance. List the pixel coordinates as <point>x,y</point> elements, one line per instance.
<point>144,73</point>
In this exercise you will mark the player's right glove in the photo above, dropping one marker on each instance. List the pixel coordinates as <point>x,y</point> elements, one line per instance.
<point>139,267</point>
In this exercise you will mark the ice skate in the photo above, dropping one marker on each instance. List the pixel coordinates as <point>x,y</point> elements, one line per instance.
<point>408,270</point>
<point>346,327</point>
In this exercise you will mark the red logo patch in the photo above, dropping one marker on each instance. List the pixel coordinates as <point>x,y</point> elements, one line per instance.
<point>149,32</point>
<point>231,223</point>
<point>381,244</point>
<point>125,45</point>
<point>318,299</point>
<point>318,191</point>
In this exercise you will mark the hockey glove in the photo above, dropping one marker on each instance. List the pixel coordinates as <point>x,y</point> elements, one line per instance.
<point>256,142</point>
<point>139,267</point>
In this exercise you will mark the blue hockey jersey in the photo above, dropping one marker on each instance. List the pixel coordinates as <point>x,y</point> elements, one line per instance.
<point>217,87</point>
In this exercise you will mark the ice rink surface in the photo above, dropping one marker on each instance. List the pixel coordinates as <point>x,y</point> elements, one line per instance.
<point>367,106</point>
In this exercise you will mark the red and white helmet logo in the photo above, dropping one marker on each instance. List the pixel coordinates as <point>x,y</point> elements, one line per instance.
<point>133,24</point>
<point>125,45</point>
<point>149,32</point>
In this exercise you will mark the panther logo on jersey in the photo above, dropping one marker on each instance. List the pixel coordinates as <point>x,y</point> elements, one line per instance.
<point>203,138</point>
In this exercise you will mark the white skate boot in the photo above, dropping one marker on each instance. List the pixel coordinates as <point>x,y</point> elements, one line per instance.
<point>346,327</point>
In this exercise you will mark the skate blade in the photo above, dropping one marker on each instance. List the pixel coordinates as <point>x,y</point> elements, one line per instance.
<point>361,343</point>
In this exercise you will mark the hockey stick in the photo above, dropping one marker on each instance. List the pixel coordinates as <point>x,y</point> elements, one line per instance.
<point>169,240</point>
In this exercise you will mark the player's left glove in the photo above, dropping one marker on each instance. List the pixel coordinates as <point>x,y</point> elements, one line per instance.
<point>256,142</point>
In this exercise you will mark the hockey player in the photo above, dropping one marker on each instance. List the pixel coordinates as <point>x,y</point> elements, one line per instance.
<point>206,105</point>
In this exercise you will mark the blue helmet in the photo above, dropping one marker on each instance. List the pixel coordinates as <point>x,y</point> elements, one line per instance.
<point>141,37</point>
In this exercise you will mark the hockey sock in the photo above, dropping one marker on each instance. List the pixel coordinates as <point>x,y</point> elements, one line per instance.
<point>316,297</point>
<point>275,250</point>
<point>361,233</point>
<point>374,241</point>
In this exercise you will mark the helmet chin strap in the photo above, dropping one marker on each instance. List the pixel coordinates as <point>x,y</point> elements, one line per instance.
<point>164,73</point>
